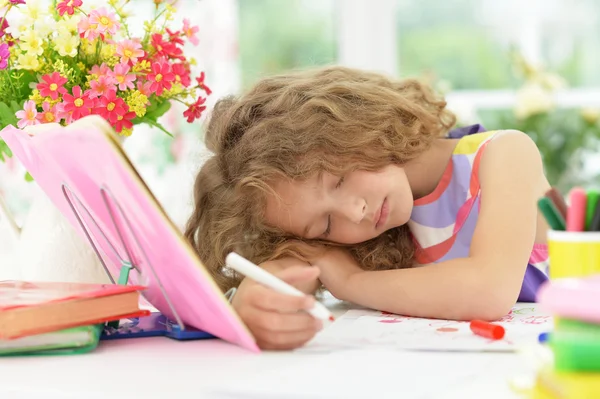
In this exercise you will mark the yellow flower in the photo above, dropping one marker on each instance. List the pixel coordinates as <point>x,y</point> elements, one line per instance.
<point>36,97</point>
<point>590,115</point>
<point>126,132</point>
<point>193,61</point>
<point>111,61</point>
<point>32,43</point>
<point>88,47</point>
<point>108,50</point>
<point>66,44</point>
<point>28,61</point>
<point>143,66</point>
<point>81,66</point>
<point>176,88</point>
<point>533,99</point>
<point>148,26</point>
<point>137,102</point>
<point>113,2</point>
<point>52,102</point>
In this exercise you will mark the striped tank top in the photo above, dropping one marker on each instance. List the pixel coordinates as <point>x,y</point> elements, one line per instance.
<point>443,222</point>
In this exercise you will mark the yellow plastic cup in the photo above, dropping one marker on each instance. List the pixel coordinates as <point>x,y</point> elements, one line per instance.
<point>573,254</point>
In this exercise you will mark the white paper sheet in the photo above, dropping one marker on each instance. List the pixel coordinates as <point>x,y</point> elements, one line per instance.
<point>360,328</point>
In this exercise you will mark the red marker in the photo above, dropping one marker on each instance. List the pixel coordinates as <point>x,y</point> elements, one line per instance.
<point>487,330</point>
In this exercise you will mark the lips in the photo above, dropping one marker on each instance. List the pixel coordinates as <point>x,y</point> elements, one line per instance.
<point>382,214</point>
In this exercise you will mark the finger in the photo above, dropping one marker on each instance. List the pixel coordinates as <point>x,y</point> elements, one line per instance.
<point>283,322</point>
<point>271,340</point>
<point>267,299</point>
<point>296,274</point>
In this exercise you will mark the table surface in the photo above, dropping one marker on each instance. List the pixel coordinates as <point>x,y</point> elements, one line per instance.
<point>160,367</point>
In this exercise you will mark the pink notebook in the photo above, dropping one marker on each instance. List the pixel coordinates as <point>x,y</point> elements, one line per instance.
<point>85,162</point>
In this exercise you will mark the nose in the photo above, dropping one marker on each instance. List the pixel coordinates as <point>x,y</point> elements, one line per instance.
<point>354,209</point>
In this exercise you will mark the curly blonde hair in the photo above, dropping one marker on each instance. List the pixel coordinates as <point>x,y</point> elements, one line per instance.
<point>333,119</point>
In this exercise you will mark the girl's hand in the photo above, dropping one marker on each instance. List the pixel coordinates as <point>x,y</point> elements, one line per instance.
<point>337,266</point>
<point>278,321</point>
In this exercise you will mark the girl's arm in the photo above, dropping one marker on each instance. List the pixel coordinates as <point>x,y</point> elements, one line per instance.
<point>484,285</point>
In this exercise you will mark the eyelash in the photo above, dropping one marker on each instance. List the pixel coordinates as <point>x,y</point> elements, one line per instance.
<point>328,230</point>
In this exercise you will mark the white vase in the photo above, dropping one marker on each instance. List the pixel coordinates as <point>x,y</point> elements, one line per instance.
<point>50,249</point>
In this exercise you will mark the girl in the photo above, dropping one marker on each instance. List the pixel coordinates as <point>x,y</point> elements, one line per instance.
<point>348,179</point>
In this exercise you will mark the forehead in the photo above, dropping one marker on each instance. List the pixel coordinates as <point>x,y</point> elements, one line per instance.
<point>291,203</point>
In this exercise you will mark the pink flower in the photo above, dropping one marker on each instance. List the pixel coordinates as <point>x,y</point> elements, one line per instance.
<point>195,110</point>
<point>110,107</point>
<point>17,1</point>
<point>105,21</point>
<point>4,55</point>
<point>102,70</point>
<point>144,88</point>
<point>68,6</point>
<point>28,115</point>
<point>52,85</point>
<point>190,32</point>
<point>123,77</point>
<point>62,114</point>
<point>87,30</point>
<point>102,85</point>
<point>161,77</point>
<point>49,114</point>
<point>182,74</point>
<point>124,121</point>
<point>79,104</point>
<point>129,50</point>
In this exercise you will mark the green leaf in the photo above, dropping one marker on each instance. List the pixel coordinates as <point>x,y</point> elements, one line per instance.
<point>7,115</point>
<point>28,177</point>
<point>151,122</point>
<point>157,108</point>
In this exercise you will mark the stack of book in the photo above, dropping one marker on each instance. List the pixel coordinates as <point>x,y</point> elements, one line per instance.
<point>50,318</point>
<point>575,341</point>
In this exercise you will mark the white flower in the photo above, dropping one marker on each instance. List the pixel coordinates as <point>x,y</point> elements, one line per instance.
<point>67,24</point>
<point>533,99</point>
<point>32,43</point>
<point>45,25</point>
<point>17,26</point>
<point>33,11</point>
<point>66,44</point>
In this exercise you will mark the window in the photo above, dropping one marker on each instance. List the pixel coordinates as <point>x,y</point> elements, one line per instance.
<point>275,36</point>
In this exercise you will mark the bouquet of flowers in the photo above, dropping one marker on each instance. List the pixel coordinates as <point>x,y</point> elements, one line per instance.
<point>63,60</point>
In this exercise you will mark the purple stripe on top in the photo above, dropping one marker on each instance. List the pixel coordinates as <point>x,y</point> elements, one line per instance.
<point>443,211</point>
<point>534,278</point>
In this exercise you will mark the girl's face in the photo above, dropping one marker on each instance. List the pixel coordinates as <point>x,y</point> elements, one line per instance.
<point>348,210</point>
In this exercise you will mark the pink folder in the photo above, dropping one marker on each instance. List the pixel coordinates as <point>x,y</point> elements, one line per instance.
<point>84,171</point>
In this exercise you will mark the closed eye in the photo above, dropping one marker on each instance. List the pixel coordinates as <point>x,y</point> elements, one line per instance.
<point>339,183</point>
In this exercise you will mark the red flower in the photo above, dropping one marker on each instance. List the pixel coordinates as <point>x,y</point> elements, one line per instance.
<point>161,77</point>
<point>175,37</point>
<point>202,85</point>
<point>166,49</point>
<point>182,74</point>
<point>79,104</point>
<point>68,6</point>
<point>110,107</point>
<point>195,110</point>
<point>52,85</point>
<point>3,27</point>
<point>124,121</point>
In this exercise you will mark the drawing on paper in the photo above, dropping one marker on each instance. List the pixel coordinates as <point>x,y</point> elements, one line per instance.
<point>369,328</point>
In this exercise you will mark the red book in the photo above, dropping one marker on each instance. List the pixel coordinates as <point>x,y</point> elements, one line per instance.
<point>29,308</point>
